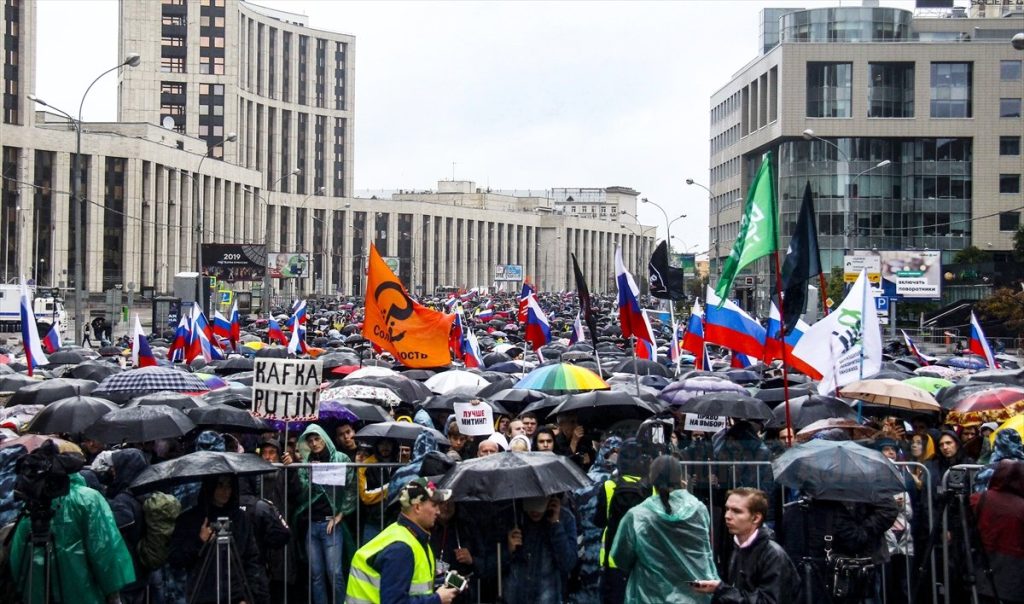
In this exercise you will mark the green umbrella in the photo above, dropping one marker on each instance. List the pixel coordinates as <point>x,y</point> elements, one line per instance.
<point>931,385</point>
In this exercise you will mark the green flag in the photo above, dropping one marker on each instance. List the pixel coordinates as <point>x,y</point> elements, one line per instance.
<point>758,230</point>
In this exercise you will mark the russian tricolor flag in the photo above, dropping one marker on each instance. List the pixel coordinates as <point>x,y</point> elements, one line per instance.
<point>524,295</point>
<point>773,346</point>
<point>645,344</point>
<point>979,345</point>
<point>484,314</point>
<point>538,330</point>
<point>52,343</point>
<point>576,335</point>
<point>142,354</point>
<point>738,360</point>
<point>631,319</point>
<point>182,338</point>
<point>236,327</point>
<point>675,350</point>
<point>471,350</point>
<point>727,325</point>
<point>297,343</point>
<point>221,326</point>
<point>693,339</point>
<point>274,333</point>
<point>34,356</point>
<point>914,350</point>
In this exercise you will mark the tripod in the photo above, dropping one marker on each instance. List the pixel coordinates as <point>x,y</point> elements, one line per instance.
<point>957,492</point>
<point>220,547</point>
<point>40,539</point>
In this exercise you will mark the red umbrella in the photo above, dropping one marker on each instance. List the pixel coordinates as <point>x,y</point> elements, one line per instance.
<point>991,405</point>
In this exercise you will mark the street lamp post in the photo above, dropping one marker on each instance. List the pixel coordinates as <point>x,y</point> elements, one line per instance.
<point>266,242</point>
<point>203,293</point>
<point>718,224</point>
<point>302,206</point>
<point>132,59</point>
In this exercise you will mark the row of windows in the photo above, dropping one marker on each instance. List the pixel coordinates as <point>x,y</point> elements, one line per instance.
<point>725,139</point>
<point>726,169</point>
<point>11,94</point>
<point>725,108</point>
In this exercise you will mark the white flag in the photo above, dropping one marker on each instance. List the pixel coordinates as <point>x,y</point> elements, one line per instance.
<point>846,345</point>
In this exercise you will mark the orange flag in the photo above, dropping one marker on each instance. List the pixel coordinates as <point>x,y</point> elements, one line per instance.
<point>412,333</point>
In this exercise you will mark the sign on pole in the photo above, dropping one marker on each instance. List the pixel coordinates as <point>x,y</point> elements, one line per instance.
<point>286,389</point>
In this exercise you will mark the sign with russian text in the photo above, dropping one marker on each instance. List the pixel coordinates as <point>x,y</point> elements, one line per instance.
<point>508,272</point>
<point>474,419</point>
<point>234,262</point>
<point>704,423</point>
<point>286,389</point>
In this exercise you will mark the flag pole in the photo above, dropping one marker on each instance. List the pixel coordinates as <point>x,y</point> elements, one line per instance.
<point>636,376</point>
<point>782,341</point>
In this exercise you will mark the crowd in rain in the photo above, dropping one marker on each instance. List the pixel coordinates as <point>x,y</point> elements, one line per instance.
<point>602,478</point>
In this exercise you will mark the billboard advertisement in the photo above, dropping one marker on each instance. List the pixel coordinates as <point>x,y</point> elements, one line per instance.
<point>508,272</point>
<point>909,274</point>
<point>288,266</point>
<point>233,262</point>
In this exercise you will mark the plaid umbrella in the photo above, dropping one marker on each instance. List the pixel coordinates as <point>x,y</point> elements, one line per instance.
<point>136,382</point>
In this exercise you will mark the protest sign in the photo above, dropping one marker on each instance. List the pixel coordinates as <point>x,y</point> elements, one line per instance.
<point>333,475</point>
<point>704,423</point>
<point>287,389</point>
<point>474,419</point>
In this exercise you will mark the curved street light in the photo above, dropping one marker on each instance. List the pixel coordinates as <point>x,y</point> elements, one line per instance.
<point>266,242</point>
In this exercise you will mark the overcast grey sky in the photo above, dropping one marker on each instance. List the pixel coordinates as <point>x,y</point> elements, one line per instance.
<point>523,95</point>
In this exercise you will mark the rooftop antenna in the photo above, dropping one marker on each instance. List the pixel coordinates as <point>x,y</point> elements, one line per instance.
<point>453,171</point>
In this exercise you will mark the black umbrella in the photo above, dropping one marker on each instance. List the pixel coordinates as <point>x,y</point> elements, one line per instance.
<point>806,410</point>
<point>839,471</point>
<point>47,391</point>
<point>333,360</point>
<point>235,395</point>
<point>949,396</point>
<point>777,395</point>
<point>139,425</point>
<point>493,358</point>
<point>571,356</point>
<point>889,374</point>
<point>110,351</point>
<point>642,367</point>
<point>420,375</point>
<point>744,377</point>
<point>729,404</point>
<point>494,387</point>
<point>1014,377</point>
<point>508,367</point>
<point>446,402</point>
<point>791,378</point>
<point>408,390</point>
<point>15,381</point>
<point>542,408</point>
<point>70,415</point>
<point>244,378</point>
<point>272,352</point>
<point>513,475</point>
<point>602,408</point>
<point>365,412</point>
<point>177,400</point>
<point>224,418</point>
<point>94,370</point>
<point>232,365</point>
<point>515,400</point>
<point>404,433</point>
<point>199,465</point>
<point>67,357</point>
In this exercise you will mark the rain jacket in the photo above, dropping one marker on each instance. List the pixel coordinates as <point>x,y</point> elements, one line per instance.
<point>1000,514</point>
<point>342,500</point>
<point>9,506</point>
<point>1007,446</point>
<point>128,513</point>
<point>90,553</point>
<point>663,552</point>
<point>759,573</point>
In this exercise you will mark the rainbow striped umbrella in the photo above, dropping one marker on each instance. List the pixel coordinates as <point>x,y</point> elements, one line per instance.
<point>562,377</point>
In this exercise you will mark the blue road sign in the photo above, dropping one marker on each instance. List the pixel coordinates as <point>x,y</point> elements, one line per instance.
<point>882,303</point>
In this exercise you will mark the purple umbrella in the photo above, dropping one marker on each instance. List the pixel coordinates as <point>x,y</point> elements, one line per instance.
<point>680,392</point>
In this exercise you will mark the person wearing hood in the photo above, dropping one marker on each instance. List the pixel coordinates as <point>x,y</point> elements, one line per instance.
<point>951,451</point>
<point>664,543</point>
<point>617,496</point>
<point>424,444</point>
<point>196,536</point>
<point>541,552</point>
<point>1000,520</point>
<point>586,582</point>
<point>1007,446</point>
<point>759,570</point>
<point>125,466</point>
<point>323,508</point>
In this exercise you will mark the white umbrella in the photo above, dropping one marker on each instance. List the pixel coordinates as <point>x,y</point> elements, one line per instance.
<point>456,382</point>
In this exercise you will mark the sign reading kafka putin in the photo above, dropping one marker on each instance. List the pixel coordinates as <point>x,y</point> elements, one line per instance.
<point>286,389</point>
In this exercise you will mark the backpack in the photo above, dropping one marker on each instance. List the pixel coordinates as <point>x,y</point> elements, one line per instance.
<point>628,494</point>
<point>160,511</point>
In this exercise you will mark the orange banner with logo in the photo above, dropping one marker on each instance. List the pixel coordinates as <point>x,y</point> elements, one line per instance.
<point>415,335</point>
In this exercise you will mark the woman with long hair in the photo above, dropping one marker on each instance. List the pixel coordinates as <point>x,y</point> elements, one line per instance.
<point>664,543</point>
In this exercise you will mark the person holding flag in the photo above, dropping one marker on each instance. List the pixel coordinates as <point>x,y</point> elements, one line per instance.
<point>274,332</point>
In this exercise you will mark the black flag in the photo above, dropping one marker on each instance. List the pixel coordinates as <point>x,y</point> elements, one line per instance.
<point>666,281</point>
<point>586,307</point>
<point>803,263</point>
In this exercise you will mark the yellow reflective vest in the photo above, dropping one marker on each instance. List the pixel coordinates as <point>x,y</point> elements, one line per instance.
<point>609,493</point>
<point>364,580</point>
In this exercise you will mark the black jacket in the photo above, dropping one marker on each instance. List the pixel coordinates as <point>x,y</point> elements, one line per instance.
<point>761,573</point>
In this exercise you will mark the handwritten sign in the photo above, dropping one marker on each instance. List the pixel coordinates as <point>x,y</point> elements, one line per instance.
<point>704,423</point>
<point>286,389</point>
<point>330,474</point>
<point>474,419</point>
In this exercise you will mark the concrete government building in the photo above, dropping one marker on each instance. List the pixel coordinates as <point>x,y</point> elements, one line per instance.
<point>907,125</point>
<point>237,127</point>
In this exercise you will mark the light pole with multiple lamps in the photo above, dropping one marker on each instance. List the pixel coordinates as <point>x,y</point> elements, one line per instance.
<point>203,293</point>
<point>266,241</point>
<point>132,59</point>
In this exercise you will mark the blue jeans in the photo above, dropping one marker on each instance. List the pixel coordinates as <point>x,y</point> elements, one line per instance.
<point>325,562</point>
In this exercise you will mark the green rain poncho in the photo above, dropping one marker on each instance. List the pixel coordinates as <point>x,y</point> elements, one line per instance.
<point>91,559</point>
<point>662,553</point>
<point>342,500</point>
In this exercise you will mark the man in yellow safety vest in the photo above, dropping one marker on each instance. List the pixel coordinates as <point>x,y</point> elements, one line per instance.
<point>397,566</point>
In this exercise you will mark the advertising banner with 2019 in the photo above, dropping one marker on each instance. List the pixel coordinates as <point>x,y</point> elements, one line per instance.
<point>234,262</point>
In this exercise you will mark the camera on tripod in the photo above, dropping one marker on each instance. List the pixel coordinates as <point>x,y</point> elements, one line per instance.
<point>958,481</point>
<point>42,476</point>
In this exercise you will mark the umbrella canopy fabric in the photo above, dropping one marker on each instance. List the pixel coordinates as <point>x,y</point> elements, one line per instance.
<point>407,389</point>
<point>31,442</point>
<point>68,357</point>
<point>353,411</point>
<point>682,391</point>
<point>561,377</point>
<point>235,364</point>
<point>96,371</point>
<point>806,410</point>
<point>602,408</point>
<point>15,381</point>
<point>856,430</point>
<point>446,403</point>
<point>513,475</point>
<point>136,382</point>
<point>224,418</point>
<point>198,465</point>
<point>891,393</point>
<point>370,372</point>
<point>964,362</point>
<point>236,395</point>
<point>641,367</point>
<point>777,395</point>
<point>177,400</point>
<point>990,405</point>
<point>48,391</point>
<point>456,382</point>
<point>729,404</point>
<point>949,396</point>
<point>362,393</point>
<point>839,471</point>
<point>931,385</point>
<point>938,371</point>
<point>1013,377</point>
<point>1014,423</point>
<point>139,425</point>
<point>404,433</point>
<point>70,415</point>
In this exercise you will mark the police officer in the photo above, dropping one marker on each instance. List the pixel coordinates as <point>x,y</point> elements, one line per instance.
<point>398,564</point>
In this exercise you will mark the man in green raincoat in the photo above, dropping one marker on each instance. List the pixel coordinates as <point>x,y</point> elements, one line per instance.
<point>90,560</point>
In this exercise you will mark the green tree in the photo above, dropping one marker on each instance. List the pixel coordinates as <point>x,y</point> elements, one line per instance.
<point>1006,305</point>
<point>974,255</point>
<point>836,285</point>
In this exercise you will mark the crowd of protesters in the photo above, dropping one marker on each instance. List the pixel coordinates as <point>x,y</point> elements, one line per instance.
<point>658,523</point>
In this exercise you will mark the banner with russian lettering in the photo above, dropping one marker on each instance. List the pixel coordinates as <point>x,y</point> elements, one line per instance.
<point>415,335</point>
<point>286,389</point>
